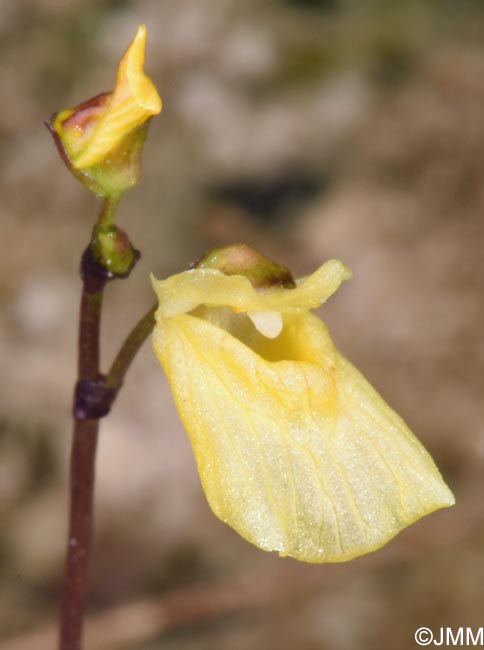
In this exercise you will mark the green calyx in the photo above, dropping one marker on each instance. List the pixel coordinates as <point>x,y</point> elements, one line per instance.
<point>117,172</point>
<point>240,259</point>
<point>120,171</point>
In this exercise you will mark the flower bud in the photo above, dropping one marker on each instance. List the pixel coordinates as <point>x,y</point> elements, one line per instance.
<point>101,139</point>
<point>113,250</point>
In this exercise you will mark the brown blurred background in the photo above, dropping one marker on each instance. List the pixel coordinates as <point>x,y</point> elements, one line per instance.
<point>309,129</point>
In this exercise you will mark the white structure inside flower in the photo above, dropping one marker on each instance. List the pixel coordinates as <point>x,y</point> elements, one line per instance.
<point>268,323</point>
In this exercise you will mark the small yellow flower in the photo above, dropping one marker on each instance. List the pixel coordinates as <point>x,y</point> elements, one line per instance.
<point>296,451</point>
<point>101,139</point>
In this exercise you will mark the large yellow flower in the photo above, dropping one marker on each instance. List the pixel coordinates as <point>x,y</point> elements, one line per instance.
<point>296,451</point>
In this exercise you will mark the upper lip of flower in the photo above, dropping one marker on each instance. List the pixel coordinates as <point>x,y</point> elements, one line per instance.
<point>183,292</point>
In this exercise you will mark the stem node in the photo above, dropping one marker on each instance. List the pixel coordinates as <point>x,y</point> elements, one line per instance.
<point>93,398</point>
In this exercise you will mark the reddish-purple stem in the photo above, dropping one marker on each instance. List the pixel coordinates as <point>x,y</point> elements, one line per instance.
<point>93,398</point>
<point>82,470</point>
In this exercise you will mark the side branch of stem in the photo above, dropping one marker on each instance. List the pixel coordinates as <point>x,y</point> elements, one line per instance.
<point>108,211</point>
<point>129,349</point>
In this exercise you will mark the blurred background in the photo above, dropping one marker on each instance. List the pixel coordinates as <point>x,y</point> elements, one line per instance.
<point>309,129</point>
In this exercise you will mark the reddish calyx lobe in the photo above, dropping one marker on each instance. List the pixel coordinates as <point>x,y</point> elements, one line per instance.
<point>84,116</point>
<point>240,259</point>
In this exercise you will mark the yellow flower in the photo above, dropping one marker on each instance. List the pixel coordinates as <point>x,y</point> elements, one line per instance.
<point>296,451</point>
<point>101,139</point>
